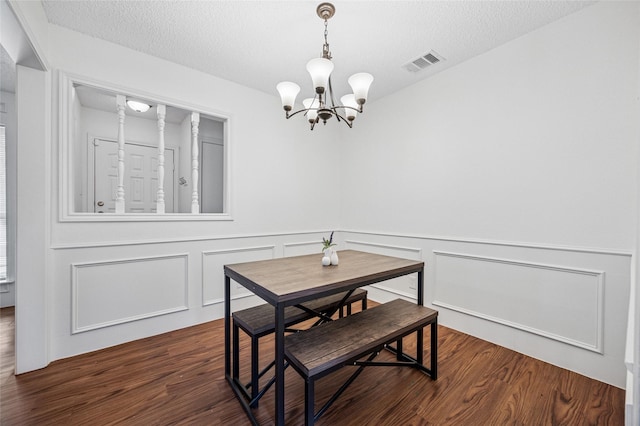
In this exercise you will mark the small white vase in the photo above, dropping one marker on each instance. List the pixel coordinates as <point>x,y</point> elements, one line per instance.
<point>334,258</point>
<point>326,261</point>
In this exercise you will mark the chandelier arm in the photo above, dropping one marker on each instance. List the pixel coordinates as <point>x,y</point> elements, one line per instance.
<point>339,117</point>
<point>333,100</point>
<point>337,114</point>
<point>333,107</point>
<point>305,110</point>
<point>349,107</point>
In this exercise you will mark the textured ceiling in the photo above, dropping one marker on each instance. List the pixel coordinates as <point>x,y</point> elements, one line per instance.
<point>259,43</point>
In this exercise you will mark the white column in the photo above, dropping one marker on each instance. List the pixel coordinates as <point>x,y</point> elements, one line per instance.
<point>195,121</point>
<point>160,195</point>
<point>34,266</point>
<point>120,105</point>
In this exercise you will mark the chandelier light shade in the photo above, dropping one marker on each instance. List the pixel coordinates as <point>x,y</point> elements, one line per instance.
<point>350,101</point>
<point>288,92</point>
<point>360,84</point>
<point>311,106</point>
<point>320,71</point>
<point>323,106</point>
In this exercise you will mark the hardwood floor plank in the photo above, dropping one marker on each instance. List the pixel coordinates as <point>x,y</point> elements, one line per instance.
<point>178,379</point>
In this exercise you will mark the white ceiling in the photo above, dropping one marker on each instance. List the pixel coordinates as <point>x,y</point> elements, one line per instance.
<point>259,43</point>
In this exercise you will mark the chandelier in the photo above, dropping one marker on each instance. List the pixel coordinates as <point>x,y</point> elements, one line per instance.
<point>323,105</point>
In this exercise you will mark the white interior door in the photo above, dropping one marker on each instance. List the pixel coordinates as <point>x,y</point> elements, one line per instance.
<point>140,177</point>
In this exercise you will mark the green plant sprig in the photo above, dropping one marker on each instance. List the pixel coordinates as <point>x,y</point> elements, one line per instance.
<point>327,243</point>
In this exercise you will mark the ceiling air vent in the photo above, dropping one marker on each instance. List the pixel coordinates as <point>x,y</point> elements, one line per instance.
<point>423,62</point>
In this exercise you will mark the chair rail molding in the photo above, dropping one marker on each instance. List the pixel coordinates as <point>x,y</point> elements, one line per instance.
<point>212,271</point>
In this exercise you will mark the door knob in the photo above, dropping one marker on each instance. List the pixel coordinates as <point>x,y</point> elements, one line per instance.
<point>100,203</point>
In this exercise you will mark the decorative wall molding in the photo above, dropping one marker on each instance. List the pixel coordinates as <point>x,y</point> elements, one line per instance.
<point>594,250</point>
<point>159,284</point>
<point>102,244</point>
<point>213,271</point>
<point>406,295</point>
<point>71,246</point>
<point>388,247</point>
<point>474,291</point>
<point>410,291</point>
<point>298,248</point>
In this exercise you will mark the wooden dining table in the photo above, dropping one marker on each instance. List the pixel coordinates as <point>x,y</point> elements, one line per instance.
<point>291,281</point>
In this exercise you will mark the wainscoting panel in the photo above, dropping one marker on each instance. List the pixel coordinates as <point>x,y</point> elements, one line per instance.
<point>405,286</point>
<point>303,248</point>
<point>120,291</point>
<point>213,271</point>
<point>561,303</point>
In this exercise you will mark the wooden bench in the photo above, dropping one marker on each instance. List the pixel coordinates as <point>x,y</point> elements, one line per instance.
<point>318,351</point>
<point>258,321</point>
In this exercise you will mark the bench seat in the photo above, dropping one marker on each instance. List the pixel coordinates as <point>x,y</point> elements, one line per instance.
<point>258,321</point>
<point>321,350</point>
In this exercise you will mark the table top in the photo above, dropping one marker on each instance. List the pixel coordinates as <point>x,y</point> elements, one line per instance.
<point>296,279</point>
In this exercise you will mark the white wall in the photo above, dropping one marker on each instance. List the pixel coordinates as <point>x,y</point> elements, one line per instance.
<point>533,144</point>
<point>533,141</point>
<point>8,119</point>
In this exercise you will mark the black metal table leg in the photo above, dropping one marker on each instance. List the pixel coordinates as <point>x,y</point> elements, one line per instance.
<point>434,350</point>
<point>420,335</point>
<point>279,321</point>
<point>421,287</point>
<point>227,325</point>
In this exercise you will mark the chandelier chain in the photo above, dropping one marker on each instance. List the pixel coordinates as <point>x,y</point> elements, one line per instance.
<point>325,48</point>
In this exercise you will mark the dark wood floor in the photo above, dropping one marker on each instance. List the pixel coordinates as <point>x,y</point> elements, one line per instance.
<point>178,378</point>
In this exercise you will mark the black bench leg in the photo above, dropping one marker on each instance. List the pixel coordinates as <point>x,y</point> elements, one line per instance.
<point>364,304</point>
<point>420,346</point>
<point>399,350</point>
<point>309,406</point>
<point>434,350</point>
<point>254,371</point>
<point>236,351</point>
